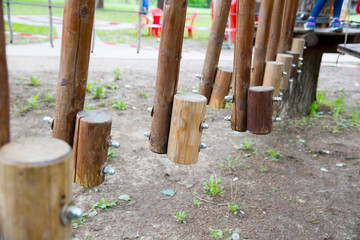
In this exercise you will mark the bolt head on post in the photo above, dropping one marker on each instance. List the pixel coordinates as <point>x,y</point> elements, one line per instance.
<point>202,146</point>
<point>227,118</point>
<point>198,76</point>
<point>149,109</point>
<point>109,171</point>
<point>229,99</point>
<point>277,99</point>
<point>284,74</point>
<point>301,59</point>
<point>291,80</point>
<point>147,134</point>
<point>113,144</point>
<point>49,121</point>
<point>293,65</point>
<point>299,71</point>
<point>276,119</point>
<point>204,126</point>
<point>74,212</point>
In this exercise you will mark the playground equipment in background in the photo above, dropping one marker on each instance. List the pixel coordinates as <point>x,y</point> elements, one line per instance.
<point>190,26</point>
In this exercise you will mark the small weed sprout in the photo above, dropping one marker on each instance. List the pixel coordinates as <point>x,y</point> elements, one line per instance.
<point>232,206</point>
<point>231,163</point>
<point>97,92</point>
<point>219,234</point>
<point>273,155</point>
<point>117,74</point>
<point>119,105</point>
<point>141,94</point>
<point>312,110</point>
<point>34,81</point>
<point>48,99</point>
<point>212,186</point>
<point>247,145</point>
<point>180,216</point>
<point>263,169</point>
<point>197,203</point>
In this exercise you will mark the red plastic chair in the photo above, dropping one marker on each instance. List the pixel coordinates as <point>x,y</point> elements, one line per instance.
<point>190,27</point>
<point>156,13</point>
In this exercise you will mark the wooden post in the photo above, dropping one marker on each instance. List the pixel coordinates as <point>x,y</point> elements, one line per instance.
<point>245,20</point>
<point>167,73</point>
<point>214,47</point>
<point>35,186</point>
<point>92,133</point>
<point>298,46</point>
<point>221,88</point>
<point>74,64</point>
<point>293,21</point>
<point>261,42</point>
<point>294,66</point>
<point>273,75</point>
<point>4,87</point>
<point>186,128</point>
<point>260,110</point>
<point>287,60</point>
<point>275,29</point>
<point>286,26</point>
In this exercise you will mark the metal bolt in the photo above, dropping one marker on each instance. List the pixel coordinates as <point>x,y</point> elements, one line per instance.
<point>227,118</point>
<point>229,99</point>
<point>147,134</point>
<point>276,119</point>
<point>49,121</point>
<point>284,73</point>
<point>281,94</point>
<point>291,80</point>
<point>299,71</point>
<point>149,109</point>
<point>305,47</point>
<point>301,59</point>
<point>108,171</point>
<point>202,146</point>
<point>293,65</point>
<point>199,76</point>
<point>277,99</point>
<point>301,64</point>
<point>73,212</point>
<point>204,126</point>
<point>113,144</point>
<point>195,91</point>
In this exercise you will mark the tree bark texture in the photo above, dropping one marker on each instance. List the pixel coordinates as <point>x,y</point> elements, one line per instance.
<point>213,51</point>
<point>35,185</point>
<point>74,65</point>
<point>167,73</point>
<point>92,133</point>
<point>261,42</point>
<point>275,29</point>
<point>221,88</point>
<point>185,131</point>
<point>4,87</point>
<point>245,20</point>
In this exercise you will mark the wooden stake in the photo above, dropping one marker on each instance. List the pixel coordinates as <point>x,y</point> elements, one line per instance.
<point>295,61</point>
<point>74,64</point>
<point>245,20</point>
<point>221,88</point>
<point>214,47</point>
<point>35,185</point>
<point>260,110</point>
<point>286,26</point>
<point>4,87</point>
<point>92,133</point>
<point>275,29</point>
<point>261,42</point>
<point>185,131</point>
<point>273,75</point>
<point>293,21</point>
<point>287,60</point>
<point>167,73</point>
<point>298,46</point>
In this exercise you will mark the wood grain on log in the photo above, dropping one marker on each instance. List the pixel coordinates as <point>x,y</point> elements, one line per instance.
<point>185,131</point>
<point>74,65</point>
<point>261,42</point>
<point>287,60</point>
<point>298,46</point>
<point>260,110</point>
<point>221,88</point>
<point>213,50</point>
<point>172,34</point>
<point>4,87</point>
<point>245,20</point>
<point>286,27</point>
<point>90,147</point>
<point>273,75</point>
<point>35,183</point>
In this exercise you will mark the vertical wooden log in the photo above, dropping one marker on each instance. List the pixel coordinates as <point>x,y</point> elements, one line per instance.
<point>261,42</point>
<point>167,73</point>
<point>4,87</point>
<point>221,88</point>
<point>260,110</point>
<point>245,20</point>
<point>287,60</point>
<point>92,133</point>
<point>273,75</point>
<point>293,21</point>
<point>294,66</point>
<point>286,26</point>
<point>213,51</point>
<point>185,131</point>
<point>74,64</point>
<point>275,29</point>
<point>35,185</point>
<point>298,46</point>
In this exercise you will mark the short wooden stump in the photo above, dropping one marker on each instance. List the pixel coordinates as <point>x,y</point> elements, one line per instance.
<point>221,88</point>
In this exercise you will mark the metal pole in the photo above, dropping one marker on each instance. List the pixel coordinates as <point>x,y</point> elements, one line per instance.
<point>139,30</point>
<point>51,25</point>
<point>9,22</point>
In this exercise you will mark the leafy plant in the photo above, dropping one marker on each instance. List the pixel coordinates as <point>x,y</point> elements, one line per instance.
<point>273,155</point>
<point>212,186</point>
<point>232,162</point>
<point>233,208</point>
<point>141,94</point>
<point>97,92</point>
<point>110,86</point>
<point>312,109</point>
<point>119,105</point>
<point>263,169</point>
<point>104,204</point>
<point>34,81</point>
<point>247,145</point>
<point>180,216</point>
<point>88,106</point>
<point>117,74</point>
<point>219,234</point>
<point>197,203</point>
<point>48,99</point>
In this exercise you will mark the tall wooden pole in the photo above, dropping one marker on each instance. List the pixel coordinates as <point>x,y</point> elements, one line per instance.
<point>293,21</point>
<point>275,29</point>
<point>167,73</point>
<point>286,26</point>
<point>214,47</point>
<point>261,42</point>
<point>4,87</point>
<point>245,20</point>
<point>74,65</point>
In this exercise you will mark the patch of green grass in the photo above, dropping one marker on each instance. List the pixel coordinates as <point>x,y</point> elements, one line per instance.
<point>219,234</point>
<point>213,186</point>
<point>119,105</point>
<point>263,169</point>
<point>31,103</point>
<point>34,81</point>
<point>197,203</point>
<point>272,155</point>
<point>180,216</point>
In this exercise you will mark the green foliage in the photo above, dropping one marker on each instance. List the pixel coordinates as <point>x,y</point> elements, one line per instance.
<point>212,186</point>
<point>199,3</point>
<point>247,145</point>
<point>119,105</point>
<point>34,81</point>
<point>197,203</point>
<point>111,86</point>
<point>141,94</point>
<point>88,106</point>
<point>219,234</point>
<point>31,104</point>
<point>180,216</point>
<point>312,109</point>
<point>104,204</point>
<point>231,163</point>
<point>233,208</point>
<point>263,169</point>
<point>272,155</point>
<point>117,74</point>
<point>48,99</point>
